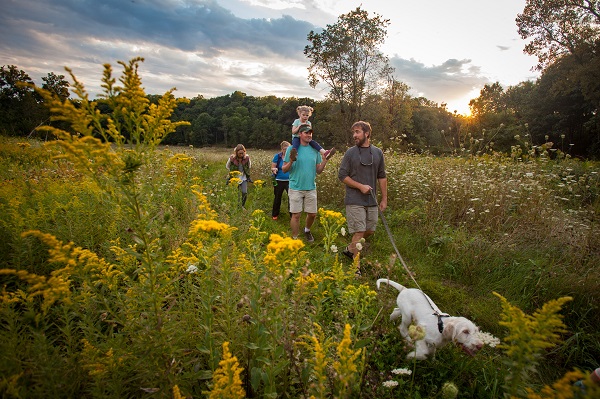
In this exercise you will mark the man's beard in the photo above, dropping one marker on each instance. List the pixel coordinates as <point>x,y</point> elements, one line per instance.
<point>361,142</point>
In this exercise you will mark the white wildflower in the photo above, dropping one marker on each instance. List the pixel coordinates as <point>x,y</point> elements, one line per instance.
<point>402,371</point>
<point>488,339</point>
<point>192,269</point>
<point>334,249</point>
<point>359,246</point>
<point>343,232</point>
<point>390,384</point>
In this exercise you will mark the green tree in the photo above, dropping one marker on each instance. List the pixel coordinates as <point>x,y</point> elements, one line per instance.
<point>490,100</point>
<point>345,56</point>
<point>20,107</point>
<point>57,85</point>
<point>559,27</point>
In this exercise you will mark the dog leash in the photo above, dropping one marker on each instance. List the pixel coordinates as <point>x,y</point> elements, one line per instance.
<point>389,233</point>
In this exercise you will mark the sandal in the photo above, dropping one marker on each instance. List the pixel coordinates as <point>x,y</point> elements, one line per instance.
<point>329,153</point>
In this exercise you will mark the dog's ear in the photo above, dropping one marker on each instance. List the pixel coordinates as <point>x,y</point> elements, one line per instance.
<point>449,328</point>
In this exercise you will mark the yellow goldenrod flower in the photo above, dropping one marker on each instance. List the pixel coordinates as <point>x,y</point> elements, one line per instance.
<point>347,365</point>
<point>226,379</point>
<point>209,226</point>
<point>177,393</point>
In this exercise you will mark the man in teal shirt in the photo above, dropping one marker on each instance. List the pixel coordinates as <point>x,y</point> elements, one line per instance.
<point>303,168</point>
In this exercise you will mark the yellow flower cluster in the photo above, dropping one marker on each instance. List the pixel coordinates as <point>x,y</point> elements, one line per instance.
<point>97,363</point>
<point>77,260</point>
<point>539,331</point>
<point>259,183</point>
<point>281,249</point>
<point>179,159</point>
<point>346,365</point>
<point>528,336</point>
<point>183,256</point>
<point>319,348</point>
<point>227,383</point>
<point>52,289</point>
<point>177,393</point>
<point>209,226</point>
<point>361,294</point>
<point>204,208</point>
<point>310,280</point>
<point>332,216</point>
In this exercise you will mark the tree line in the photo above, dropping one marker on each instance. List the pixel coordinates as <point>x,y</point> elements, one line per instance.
<point>556,114</point>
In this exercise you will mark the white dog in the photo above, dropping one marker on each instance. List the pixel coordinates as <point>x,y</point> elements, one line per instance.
<point>416,307</point>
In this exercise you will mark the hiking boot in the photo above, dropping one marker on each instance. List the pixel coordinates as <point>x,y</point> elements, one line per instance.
<point>293,154</point>
<point>348,254</point>
<point>329,153</point>
<point>309,237</point>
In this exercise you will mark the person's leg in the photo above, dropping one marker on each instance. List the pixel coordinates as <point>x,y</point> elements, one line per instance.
<point>356,216</point>
<point>295,224</point>
<point>277,194</point>
<point>296,142</point>
<point>310,219</point>
<point>310,207</point>
<point>356,237</point>
<point>326,153</point>
<point>285,186</point>
<point>244,189</point>
<point>295,147</point>
<point>314,144</point>
<point>370,215</point>
<point>296,201</point>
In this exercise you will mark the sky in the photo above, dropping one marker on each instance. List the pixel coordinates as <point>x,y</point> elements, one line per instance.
<point>445,51</point>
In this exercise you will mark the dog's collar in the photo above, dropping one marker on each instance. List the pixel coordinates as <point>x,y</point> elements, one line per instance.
<point>440,322</point>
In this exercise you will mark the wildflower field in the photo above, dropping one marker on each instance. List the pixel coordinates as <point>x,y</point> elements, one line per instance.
<point>131,270</point>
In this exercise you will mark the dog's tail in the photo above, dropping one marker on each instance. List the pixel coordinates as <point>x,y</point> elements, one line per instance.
<point>394,284</point>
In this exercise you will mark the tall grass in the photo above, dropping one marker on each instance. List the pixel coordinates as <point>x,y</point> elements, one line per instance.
<point>144,277</point>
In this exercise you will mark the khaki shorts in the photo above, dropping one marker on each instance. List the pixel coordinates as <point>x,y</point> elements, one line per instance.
<point>361,218</point>
<point>303,200</point>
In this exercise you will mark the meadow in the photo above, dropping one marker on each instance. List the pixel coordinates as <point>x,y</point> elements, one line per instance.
<point>129,269</point>
<point>149,280</point>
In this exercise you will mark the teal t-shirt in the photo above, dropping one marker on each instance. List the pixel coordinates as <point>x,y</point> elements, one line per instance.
<point>304,170</point>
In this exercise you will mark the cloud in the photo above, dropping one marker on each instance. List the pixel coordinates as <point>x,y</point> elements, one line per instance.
<point>198,46</point>
<point>199,26</point>
<point>449,82</point>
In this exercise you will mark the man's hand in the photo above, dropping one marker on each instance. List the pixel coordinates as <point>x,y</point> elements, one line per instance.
<point>365,188</point>
<point>383,204</point>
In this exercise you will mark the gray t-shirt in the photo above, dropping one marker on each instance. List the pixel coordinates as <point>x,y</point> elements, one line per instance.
<point>364,165</point>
